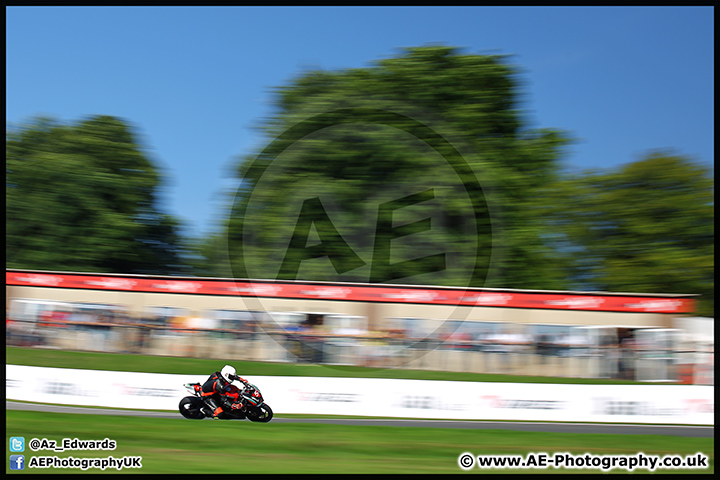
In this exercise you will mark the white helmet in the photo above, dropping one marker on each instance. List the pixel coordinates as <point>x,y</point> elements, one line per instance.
<point>228,373</point>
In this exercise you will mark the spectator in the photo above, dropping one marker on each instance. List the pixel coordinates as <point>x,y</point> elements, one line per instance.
<point>627,357</point>
<point>609,356</point>
<point>544,347</point>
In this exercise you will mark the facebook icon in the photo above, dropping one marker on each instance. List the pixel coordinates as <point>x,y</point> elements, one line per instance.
<point>17,462</point>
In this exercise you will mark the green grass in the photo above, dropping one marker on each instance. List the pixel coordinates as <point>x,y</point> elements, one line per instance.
<point>202,366</point>
<point>187,446</point>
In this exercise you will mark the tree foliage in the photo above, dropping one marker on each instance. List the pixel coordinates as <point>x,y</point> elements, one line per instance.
<point>419,169</point>
<point>84,197</point>
<point>647,226</point>
<point>320,146</point>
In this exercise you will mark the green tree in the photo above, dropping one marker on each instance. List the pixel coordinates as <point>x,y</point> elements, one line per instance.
<point>647,227</point>
<point>362,137</point>
<point>206,256</point>
<point>84,197</point>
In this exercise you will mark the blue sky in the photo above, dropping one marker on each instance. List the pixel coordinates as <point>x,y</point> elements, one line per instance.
<point>195,82</point>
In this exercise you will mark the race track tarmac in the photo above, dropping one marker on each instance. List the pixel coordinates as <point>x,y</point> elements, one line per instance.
<point>592,428</point>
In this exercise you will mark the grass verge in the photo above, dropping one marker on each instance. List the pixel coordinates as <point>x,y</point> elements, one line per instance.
<point>186,446</point>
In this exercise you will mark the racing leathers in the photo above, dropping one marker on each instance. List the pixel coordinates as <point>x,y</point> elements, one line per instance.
<point>219,394</point>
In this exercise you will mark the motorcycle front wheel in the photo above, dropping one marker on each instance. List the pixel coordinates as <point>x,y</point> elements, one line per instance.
<point>263,413</point>
<point>190,408</point>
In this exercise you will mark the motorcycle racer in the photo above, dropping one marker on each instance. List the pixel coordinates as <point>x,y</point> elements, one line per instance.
<point>218,391</point>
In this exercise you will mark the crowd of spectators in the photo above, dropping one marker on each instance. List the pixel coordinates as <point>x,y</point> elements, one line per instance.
<point>311,339</point>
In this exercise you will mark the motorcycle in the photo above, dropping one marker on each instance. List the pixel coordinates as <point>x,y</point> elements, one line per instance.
<point>252,404</point>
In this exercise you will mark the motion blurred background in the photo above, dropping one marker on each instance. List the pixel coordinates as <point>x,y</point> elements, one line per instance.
<point>90,194</point>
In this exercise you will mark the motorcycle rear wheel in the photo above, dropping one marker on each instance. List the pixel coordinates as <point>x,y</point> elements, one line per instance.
<point>190,407</point>
<point>263,413</point>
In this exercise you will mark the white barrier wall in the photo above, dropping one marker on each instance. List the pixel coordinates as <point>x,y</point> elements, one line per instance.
<point>654,404</point>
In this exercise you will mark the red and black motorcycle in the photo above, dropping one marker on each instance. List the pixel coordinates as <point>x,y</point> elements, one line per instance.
<point>252,404</point>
